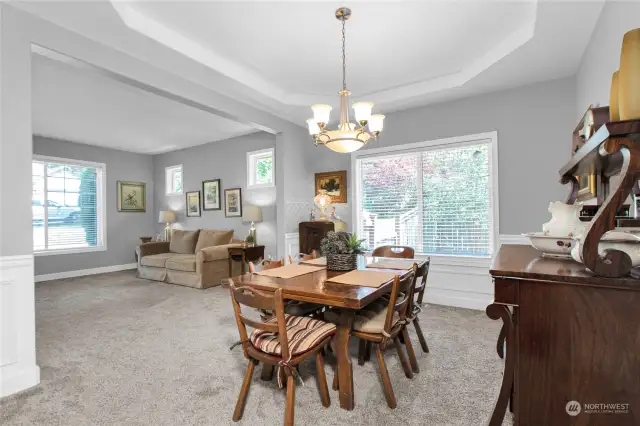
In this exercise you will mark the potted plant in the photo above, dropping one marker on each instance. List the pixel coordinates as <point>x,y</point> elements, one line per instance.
<point>250,240</point>
<point>341,250</point>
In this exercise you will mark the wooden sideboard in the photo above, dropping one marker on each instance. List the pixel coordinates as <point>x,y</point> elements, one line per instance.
<point>571,336</point>
<point>311,233</point>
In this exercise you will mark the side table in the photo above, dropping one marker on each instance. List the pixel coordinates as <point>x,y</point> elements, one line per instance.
<point>244,254</point>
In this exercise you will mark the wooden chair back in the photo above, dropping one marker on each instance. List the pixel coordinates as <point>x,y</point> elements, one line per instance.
<point>400,300</point>
<point>301,256</point>
<point>262,301</point>
<point>266,264</point>
<point>394,251</point>
<point>421,280</point>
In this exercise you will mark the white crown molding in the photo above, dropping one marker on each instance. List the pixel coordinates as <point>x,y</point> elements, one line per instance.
<point>84,272</point>
<point>171,38</point>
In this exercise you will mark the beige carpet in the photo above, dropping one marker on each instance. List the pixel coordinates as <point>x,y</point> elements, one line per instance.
<point>117,350</point>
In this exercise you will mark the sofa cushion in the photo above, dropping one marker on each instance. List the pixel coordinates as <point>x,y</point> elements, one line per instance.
<point>213,237</point>
<point>156,260</point>
<point>182,262</point>
<point>183,242</point>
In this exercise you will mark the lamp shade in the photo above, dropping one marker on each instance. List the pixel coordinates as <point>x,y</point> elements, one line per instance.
<point>167,216</point>
<point>251,214</point>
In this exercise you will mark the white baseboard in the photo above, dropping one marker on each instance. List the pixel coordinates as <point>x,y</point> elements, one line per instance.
<point>18,369</point>
<point>83,272</point>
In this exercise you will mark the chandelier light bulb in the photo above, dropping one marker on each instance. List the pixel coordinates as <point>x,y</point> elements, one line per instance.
<point>314,129</point>
<point>321,113</point>
<point>363,111</point>
<point>376,123</point>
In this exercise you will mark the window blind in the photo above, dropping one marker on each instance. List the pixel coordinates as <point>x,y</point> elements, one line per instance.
<point>66,206</point>
<point>436,200</point>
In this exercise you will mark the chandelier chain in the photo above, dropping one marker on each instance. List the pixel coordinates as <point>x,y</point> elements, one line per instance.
<point>344,58</point>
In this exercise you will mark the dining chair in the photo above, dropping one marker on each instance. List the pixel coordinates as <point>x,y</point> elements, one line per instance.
<point>384,320</point>
<point>266,264</point>
<point>301,256</point>
<point>284,342</point>
<point>416,307</point>
<point>394,251</point>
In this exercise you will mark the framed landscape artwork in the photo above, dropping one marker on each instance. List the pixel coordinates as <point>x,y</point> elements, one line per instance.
<point>211,195</point>
<point>335,183</point>
<point>132,196</point>
<point>193,204</point>
<point>233,202</point>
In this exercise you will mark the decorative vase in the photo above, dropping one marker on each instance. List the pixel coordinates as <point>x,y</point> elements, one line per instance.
<point>342,262</point>
<point>629,76</point>
<point>614,102</point>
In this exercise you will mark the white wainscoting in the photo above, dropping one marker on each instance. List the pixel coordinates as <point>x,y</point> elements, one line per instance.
<point>83,272</point>
<point>292,244</point>
<point>18,369</point>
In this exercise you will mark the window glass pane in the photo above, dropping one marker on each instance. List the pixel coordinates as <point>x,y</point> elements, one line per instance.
<point>264,170</point>
<point>71,207</point>
<point>177,181</point>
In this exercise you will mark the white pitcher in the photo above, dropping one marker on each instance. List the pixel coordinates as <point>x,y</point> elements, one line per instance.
<point>565,220</point>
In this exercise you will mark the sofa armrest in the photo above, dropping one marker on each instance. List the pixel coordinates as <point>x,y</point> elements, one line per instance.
<point>156,247</point>
<point>210,254</point>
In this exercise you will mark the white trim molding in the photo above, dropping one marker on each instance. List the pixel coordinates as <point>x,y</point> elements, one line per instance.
<point>514,239</point>
<point>84,272</point>
<point>292,244</point>
<point>18,369</point>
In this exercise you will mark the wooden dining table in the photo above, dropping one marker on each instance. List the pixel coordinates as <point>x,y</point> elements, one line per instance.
<point>314,287</point>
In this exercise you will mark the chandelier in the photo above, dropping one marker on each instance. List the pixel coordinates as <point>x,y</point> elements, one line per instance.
<point>348,137</point>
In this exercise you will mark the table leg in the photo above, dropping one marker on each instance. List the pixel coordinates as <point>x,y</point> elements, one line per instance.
<point>497,311</point>
<point>244,261</point>
<point>230,266</point>
<point>345,370</point>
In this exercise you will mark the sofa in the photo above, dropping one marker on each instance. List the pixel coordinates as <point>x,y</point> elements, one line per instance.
<point>198,259</point>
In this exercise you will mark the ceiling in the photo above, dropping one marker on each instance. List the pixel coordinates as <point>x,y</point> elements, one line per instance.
<point>91,108</point>
<point>282,57</point>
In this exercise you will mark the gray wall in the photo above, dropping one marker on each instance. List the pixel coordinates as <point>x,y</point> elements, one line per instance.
<point>534,125</point>
<point>225,160</point>
<point>602,56</point>
<point>123,229</point>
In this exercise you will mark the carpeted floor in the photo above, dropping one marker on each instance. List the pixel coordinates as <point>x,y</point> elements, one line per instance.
<point>116,350</point>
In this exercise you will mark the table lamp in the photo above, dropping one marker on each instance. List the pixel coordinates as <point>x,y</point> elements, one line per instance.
<point>167,217</point>
<point>252,214</point>
<point>322,200</point>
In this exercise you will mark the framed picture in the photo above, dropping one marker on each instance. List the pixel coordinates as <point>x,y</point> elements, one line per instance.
<point>132,196</point>
<point>211,195</point>
<point>233,202</point>
<point>193,203</point>
<point>335,183</point>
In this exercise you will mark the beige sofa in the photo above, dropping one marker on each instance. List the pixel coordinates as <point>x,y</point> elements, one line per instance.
<point>198,259</point>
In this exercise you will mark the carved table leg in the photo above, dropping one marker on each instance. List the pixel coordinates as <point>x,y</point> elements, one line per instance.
<point>500,343</point>
<point>496,311</point>
<point>345,370</point>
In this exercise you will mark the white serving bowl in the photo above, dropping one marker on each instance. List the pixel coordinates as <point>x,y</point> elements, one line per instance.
<point>551,246</point>
<point>628,242</point>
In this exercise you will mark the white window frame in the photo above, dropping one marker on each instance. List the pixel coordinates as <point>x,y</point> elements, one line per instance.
<point>101,208</point>
<point>168,179</point>
<point>490,137</point>
<point>252,159</point>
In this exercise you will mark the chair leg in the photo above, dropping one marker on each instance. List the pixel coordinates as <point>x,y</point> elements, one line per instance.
<point>386,381</point>
<point>291,401</point>
<point>267,372</point>
<point>244,390</point>
<point>367,353</point>
<point>423,342</point>
<point>362,348</point>
<point>403,359</point>
<point>322,380</point>
<point>336,382</point>
<point>412,355</point>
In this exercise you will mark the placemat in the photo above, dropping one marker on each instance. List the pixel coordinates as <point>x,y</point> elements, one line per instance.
<point>290,271</point>
<point>363,278</point>
<point>321,261</point>
<point>403,264</point>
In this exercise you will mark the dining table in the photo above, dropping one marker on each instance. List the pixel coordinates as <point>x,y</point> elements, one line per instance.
<point>316,287</point>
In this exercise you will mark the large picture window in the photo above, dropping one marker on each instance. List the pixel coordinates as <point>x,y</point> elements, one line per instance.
<point>67,206</point>
<point>437,197</point>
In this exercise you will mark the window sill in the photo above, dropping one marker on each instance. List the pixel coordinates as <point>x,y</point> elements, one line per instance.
<point>69,251</point>
<point>171,194</point>
<point>261,186</point>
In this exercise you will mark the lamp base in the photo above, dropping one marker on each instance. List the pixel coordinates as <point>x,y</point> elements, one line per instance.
<point>167,232</point>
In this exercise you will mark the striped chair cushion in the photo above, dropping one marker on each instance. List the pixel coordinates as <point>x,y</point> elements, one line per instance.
<point>303,334</point>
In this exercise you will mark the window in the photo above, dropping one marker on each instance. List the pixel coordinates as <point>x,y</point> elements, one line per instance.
<point>173,180</point>
<point>260,169</point>
<point>437,197</point>
<point>67,206</point>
